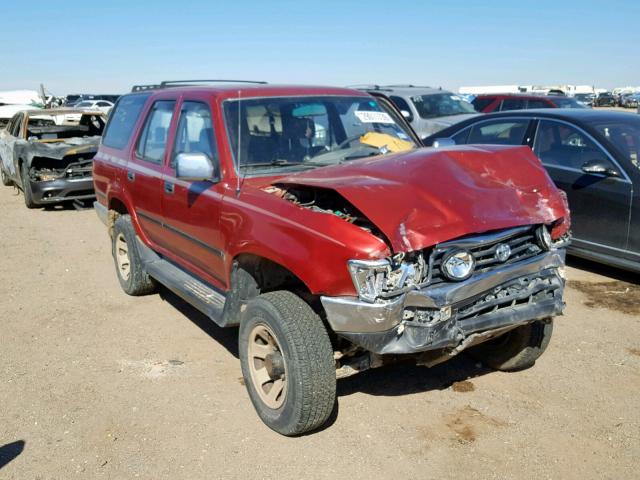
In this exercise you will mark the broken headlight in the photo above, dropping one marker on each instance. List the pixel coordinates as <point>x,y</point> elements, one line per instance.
<point>458,265</point>
<point>373,278</point>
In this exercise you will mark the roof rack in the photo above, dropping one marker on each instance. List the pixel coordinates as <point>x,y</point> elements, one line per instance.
<point>187,83</point>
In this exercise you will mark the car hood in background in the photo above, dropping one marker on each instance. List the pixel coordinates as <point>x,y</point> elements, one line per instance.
<point>424,197</point>
<point>434,125</point>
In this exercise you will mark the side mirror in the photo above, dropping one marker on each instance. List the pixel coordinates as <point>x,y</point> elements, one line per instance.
<point>194,167</point>
<point>443,142</point>
<point>407,115</point>
<point>600,168</point>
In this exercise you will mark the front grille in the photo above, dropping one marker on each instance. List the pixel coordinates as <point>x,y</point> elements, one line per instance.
<point>522,242</point>
<point>523,291</point>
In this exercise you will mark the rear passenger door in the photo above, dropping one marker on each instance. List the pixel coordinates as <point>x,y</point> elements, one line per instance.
<point>600,204</point>
<point>144,170</point>
<point>191,210</point>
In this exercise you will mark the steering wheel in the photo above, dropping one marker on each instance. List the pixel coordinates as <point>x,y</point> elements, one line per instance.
<point>348,141</point>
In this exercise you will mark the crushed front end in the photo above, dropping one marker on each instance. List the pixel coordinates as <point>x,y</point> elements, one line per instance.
<point>54,179</point>
<point>453,295</point>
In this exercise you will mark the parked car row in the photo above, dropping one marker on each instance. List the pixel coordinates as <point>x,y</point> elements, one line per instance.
<point>315,220</point>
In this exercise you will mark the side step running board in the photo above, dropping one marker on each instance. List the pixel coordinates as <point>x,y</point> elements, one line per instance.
<point>191,289</point>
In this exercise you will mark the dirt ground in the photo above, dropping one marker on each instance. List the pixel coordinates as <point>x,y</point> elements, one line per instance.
<point>96,384</point>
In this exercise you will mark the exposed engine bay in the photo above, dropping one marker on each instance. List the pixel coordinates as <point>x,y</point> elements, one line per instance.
<point>324,200</point>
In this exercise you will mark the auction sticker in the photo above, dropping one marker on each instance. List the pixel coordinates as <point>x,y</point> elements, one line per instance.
<point>373,117</point>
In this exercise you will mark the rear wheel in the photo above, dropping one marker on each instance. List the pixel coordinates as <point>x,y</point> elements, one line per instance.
<point>287,363</point>
<point>517,349</point>
<point>132,275</point>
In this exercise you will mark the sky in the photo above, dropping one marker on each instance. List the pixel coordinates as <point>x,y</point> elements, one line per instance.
<point>106,47</point>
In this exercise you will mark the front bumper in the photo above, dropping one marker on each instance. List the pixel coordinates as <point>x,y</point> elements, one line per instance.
<point>444,315</point>
<point>62,189</point>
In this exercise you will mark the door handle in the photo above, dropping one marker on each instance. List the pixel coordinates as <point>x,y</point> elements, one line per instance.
<point>131,176</point>
<point>168,187</point>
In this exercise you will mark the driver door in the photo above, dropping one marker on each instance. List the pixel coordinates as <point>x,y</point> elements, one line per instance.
<point>600,203</point>
<point>191,210</point>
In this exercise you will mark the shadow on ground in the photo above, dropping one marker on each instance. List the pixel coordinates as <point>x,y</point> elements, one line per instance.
<point>399,378</point>
<point>404,378</point>
<point>227,337</point>
<point>10,451</point>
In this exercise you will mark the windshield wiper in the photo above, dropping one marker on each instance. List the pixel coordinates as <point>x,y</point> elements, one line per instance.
<point>279,162</point>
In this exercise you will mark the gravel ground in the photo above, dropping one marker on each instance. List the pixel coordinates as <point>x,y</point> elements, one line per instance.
<point>96,384</point>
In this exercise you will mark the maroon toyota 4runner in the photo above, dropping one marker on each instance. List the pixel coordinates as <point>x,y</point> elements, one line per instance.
<point>309,217</point>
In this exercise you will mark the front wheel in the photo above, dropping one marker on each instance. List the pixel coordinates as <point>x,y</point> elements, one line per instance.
<point>26,188</point>
<point>517,349</point>
<point>6,181</point>
<point>287,363</point>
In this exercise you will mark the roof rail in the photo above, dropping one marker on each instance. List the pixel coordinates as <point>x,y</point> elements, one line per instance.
<point>187,83</point>
<point>364,85</point>
<point>407,85</point>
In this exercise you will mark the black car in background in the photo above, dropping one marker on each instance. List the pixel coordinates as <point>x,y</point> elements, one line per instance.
<point>594,156</point>
<point>605,99</point>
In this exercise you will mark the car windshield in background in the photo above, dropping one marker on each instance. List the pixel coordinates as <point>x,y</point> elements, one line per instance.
<point>84,104</point>
<point>624,135</point>
<point>566,102</point>
<point>308,132</point>
<point>441,105</point>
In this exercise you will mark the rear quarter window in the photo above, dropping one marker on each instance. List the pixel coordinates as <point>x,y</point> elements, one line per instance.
<point>122,121</point>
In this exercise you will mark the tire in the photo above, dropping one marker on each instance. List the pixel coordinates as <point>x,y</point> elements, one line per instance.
<point>517,349</point>
<point>6,181</point>
<point>301,348</point>
<point>132,276</point>
<point>26,188</point>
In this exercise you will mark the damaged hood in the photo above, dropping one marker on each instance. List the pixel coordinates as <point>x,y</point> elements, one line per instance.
<point>424,197</point>
<point>60,149</point>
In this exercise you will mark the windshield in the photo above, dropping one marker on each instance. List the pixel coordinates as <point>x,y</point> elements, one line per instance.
<point>309,132</point>
<point>441,105</point>
<point>565,102</point>
<point>84,104</point>
<point>624,135</point>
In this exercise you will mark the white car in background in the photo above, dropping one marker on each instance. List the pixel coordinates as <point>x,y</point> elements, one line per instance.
<point>103,105</point>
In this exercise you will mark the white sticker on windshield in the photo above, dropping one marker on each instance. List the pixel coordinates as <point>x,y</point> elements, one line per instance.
<point>373,117</point>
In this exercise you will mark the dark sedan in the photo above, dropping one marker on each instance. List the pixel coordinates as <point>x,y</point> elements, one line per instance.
<point>594,156</point>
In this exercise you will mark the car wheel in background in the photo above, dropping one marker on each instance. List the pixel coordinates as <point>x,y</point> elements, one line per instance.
<point>517,349</point>
<point>26,188</point>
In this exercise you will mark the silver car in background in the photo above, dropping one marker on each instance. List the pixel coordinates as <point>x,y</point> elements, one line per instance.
<point>427,109</point>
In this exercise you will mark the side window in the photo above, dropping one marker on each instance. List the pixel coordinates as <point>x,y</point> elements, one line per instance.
<point>123,120</point>
<point>538,104</point>
<point>195,132</point>
<point>559,144</point>
<point>153,139</point>
<point>401,104</point>
<point>501,132</point>
<point>512,104</point>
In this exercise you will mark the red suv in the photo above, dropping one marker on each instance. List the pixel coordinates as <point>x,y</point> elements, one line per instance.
<point>501,102</point>
<point>309,217</point>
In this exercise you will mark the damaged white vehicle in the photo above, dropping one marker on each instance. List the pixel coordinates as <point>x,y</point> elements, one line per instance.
<point>49,155</point>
